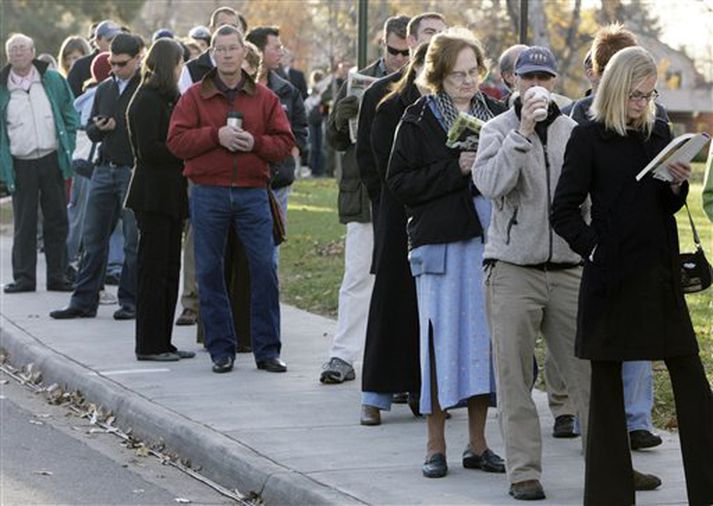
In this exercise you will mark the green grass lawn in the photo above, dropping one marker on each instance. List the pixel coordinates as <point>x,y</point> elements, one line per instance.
<point>312,259</point>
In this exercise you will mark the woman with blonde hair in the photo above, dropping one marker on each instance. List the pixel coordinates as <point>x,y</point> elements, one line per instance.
<point>71,50</point>
<point>631,305</point>
<point>447,218</point>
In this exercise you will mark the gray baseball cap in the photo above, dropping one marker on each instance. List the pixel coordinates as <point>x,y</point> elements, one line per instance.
<point>107,29</point>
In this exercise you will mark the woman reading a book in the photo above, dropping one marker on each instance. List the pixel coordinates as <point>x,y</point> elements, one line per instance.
<point>447,219</point>
<point>631,305</point>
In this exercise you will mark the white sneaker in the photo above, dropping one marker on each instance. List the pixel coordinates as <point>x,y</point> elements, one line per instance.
<point>107,298</point>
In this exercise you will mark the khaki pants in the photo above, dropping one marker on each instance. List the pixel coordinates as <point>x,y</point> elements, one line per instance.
<point>522,303</point>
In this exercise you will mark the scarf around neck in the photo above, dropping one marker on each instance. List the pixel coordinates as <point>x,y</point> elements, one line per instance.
<point>449,112</point>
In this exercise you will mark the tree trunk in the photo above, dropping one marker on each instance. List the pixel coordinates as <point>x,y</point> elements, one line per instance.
<point>538,19</point>
<point>569,44</point>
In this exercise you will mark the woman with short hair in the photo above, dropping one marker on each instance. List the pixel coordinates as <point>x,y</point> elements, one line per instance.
<point>631,305</point>
<point>158,196</point>
<point>447,219</point>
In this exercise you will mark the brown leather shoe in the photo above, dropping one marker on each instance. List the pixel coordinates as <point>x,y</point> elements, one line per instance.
<point>646,481</point>
<point>187,317</point>
<point>528,490</point>
<point>370,415</point>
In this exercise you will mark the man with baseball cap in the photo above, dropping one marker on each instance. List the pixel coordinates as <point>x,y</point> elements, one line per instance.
<point>102,36</point>
<point>532,280</point>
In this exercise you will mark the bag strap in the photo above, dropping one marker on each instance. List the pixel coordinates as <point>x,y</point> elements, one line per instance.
<point>92,150</point>
<point>696,238</point>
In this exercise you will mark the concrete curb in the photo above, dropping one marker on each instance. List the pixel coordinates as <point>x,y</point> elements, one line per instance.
<point>222,459</point>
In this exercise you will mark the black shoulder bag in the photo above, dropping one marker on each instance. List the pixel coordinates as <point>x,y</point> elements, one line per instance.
<point>696,272</point>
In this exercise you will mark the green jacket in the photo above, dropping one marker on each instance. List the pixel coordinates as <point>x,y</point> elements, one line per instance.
<point>708,186</point>
<point>65,117</point>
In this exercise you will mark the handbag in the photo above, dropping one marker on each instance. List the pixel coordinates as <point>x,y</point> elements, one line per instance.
<point>279,233</point>
<point>696,272</point>
<point>85,167</point>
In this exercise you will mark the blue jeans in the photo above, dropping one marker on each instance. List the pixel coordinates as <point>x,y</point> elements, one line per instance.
<point>105,204</point>
<point>115,260</point>
<point>76,210</point>
<point>214,209</point>
<point>638,381</point>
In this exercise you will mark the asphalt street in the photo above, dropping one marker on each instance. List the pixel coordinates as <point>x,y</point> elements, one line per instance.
<point>50,456</point>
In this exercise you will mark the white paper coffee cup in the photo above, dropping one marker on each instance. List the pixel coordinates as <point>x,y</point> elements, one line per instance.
<point>540,94</point>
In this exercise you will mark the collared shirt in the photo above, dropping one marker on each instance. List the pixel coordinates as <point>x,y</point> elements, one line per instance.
<point>230,93</point>
<point>122,83</point>
<point>24,82</point>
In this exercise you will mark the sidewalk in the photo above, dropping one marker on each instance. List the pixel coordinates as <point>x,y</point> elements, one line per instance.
<point>284,436</point>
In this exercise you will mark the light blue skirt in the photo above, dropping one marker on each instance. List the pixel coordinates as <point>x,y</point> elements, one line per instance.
<point>449,280</point>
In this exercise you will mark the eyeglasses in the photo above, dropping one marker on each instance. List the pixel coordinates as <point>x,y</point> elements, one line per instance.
<point>459,76</point>
<point>637,96</point>
<point>393,51</point>
<point>120,64</point>
<point>227,49</point>
<point>19,49</point>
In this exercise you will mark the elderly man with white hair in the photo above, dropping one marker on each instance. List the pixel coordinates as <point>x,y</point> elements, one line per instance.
<point>38,126</point>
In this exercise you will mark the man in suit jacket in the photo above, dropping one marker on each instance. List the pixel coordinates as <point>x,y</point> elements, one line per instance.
<point>296,77</point>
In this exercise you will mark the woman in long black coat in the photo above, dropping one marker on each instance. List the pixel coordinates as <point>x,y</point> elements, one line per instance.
<point>158,196</point>
<point>391,356</point>
<point>631,304</point>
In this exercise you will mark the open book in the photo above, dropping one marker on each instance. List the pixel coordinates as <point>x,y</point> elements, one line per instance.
<point>681,149</point>
<point>356,86</point>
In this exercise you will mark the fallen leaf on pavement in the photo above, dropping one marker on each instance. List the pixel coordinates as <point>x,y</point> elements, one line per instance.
<point>43,473</point>
<point>36,422</point>
<point>182,500</point>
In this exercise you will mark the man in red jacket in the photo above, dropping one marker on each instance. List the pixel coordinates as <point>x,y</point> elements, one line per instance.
<point>229,167</point>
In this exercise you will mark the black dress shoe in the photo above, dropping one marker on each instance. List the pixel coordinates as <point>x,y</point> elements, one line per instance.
<point>400,398</point>
<point>18,288</point>
<point>167,356</point>
<point>528,490</point>
<point>124,313</point>
<point>646,481</point>
<point>243,348</point>
<point>60,286</point>
<point>487,461</point>
<point>224,364</point>
<point>641,439</point>
<point>70,312</point>
<point>435,466</point>
<point>564,427</point>
<point>272,365</point>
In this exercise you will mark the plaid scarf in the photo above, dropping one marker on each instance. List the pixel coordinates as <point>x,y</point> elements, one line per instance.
<point>449,113</point>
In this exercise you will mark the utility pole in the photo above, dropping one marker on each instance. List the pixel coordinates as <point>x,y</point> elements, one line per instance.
<point>362,32</point>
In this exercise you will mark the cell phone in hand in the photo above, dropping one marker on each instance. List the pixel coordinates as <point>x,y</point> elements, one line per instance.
<point>100,118</point>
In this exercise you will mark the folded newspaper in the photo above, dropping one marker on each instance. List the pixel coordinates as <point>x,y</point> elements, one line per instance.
<point>465,132</point>
<point>681,149</point>
<point>356,86</point>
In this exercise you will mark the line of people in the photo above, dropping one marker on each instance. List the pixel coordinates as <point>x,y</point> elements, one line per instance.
<point>465,270</point>
<point>457,256</point>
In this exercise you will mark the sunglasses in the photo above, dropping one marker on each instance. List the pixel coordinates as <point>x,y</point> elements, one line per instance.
<point>119,64</point>
<point>394,51</point>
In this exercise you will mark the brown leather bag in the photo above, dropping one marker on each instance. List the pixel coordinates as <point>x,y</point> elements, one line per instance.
<point>279,233</point>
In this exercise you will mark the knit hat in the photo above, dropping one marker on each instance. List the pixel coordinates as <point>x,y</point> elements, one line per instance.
<point>101,68</point>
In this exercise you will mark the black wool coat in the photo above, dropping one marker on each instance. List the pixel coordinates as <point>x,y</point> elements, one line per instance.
<point>631,306</point>
<point>157,184</point>
<point>391,353</point>
<point>424,174</point>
